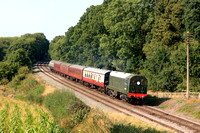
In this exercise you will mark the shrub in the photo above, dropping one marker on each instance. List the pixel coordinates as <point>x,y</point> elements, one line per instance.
<point>77,111</point>
<point>4,81</point>
<point>66,108</point>
<point>58,103</point>
<point>32,83</point>
<point>15,81</point>
<point>37,90</point>
<point>23,70</point>
<point>34,95</point>
<point>19,77</point>
<point>77,106</point>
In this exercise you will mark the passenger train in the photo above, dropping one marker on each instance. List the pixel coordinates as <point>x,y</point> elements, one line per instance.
<point>126,86</point>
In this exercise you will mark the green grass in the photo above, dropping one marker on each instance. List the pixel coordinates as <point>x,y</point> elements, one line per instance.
<point>187,108</point>
<point>20,97</point>
<point>163,106</point>
<point>35,95</point>
<point>196,114</point>
<point>66,108</point>
<point>28,89</point>
<point>182,101</point>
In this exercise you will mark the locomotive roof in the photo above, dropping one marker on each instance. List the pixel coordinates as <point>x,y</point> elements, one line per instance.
<point>96,70</point>
<point>122,75</point>
<point>77,66</point>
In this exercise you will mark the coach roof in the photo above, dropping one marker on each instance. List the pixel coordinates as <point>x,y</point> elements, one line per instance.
<point>77,66</point>
<point>66,64</point>
<point>96,70</point>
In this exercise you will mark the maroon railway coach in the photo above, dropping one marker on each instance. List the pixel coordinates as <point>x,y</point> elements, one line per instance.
<point>76,71</point>
<point>64,68</point>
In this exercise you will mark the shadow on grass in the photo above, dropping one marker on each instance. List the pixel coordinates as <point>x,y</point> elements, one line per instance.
<point>120,128</point>
<point>154,101</point>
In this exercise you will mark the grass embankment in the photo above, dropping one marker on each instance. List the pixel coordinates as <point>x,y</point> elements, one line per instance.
<point>99,121</point>
<point>25,100</point>
<point>75,116</point>
<point>190,107</point>
<point>184,107</point>
<point>67,110</point>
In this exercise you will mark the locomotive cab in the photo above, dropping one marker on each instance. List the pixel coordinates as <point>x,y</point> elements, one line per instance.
<point>138,88</point>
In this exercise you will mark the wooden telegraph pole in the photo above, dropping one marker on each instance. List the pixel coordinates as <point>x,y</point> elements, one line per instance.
<point>188,43</point>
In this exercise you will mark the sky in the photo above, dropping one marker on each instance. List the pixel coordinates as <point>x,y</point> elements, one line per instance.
<point>51,17</point>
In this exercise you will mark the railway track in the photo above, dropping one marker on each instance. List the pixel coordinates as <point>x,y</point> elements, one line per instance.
<point>167,120</point>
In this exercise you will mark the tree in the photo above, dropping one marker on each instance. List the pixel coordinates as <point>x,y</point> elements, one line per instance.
<point>36,45</point>
<point>5,70</point>
<point>191,17</point>
<point>167,25</point>
<point>137,36</point>
<point>19,58</point>
<point>165,38</point>
<point>5,42</point>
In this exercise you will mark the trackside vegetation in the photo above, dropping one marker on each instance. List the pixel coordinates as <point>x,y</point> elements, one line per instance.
<point>146,37</point>
<point>24,107</point>
<point>66,108</point>
<point>16,52</point>
<point>75,116</point>
<point>120,128</point>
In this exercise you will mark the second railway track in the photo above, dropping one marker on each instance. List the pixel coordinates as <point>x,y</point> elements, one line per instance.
<point>149,113</point>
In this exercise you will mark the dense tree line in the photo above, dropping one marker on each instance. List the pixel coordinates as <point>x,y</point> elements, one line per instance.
<point>4,44</point>
<point>16,52</point>
<point>139,36</point>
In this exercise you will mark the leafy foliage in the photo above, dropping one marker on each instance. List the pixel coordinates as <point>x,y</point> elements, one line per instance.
<point>191,17</point>
<point>139,36</point>
<point>21,51</point>
<point>66,108</point>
